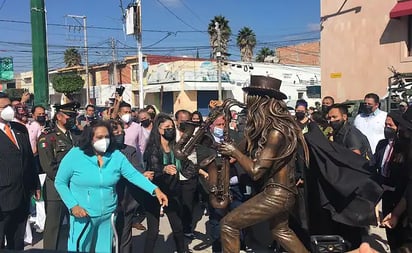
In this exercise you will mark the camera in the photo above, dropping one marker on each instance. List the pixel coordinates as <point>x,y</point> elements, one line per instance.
<point>120,90</point>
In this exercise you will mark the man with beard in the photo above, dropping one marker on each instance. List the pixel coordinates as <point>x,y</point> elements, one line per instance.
<point>272,136</point>
<point>346,134</point>
<point>52,147</point>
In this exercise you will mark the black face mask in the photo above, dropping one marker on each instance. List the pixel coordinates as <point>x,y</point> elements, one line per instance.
<point>336,125</point>
<point>41,119</point>
<point>145,123</point>
<point>389,133</point>
<point>170,134</point>
<point>367,109</point>
<point>182,126</point>
<point>70,123</point>
<point>152,115</point>
<point>119,140</point>
<point>300,115</point>
<point>325,109</point>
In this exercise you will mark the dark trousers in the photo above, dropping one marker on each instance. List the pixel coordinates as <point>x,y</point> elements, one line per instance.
<point>189,188</point>
<point>124,222</point>
<point>173,212</point>
<point>273,204</point>
<point>395,236</point>
<point>55,212</point>
<point>13,227</point>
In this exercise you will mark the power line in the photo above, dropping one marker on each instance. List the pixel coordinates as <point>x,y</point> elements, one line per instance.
<point>2,4</point>
<point>176,16</point>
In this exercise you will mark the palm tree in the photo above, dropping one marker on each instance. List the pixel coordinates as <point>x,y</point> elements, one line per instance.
<point>263,53</point>
<point>246,41</point>
<point>225,33</point>
<point>72,57</point>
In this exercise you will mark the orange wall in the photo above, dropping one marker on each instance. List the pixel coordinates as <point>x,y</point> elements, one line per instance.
<point>357,48</point>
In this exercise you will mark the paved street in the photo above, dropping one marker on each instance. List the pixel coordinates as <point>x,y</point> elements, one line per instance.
<point>260,238</point>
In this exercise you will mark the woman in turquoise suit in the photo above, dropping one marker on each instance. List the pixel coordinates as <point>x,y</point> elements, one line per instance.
<point>86,181</point>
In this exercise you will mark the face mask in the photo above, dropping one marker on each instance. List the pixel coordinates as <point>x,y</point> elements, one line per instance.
<point>7,114</point>
<point>218,132</point>
<point>389,133</point>
<point>126,117</point>
<point>152,115</point>
<point>70,123</point>
<point>300,115</point>
<point>170,134</point>
<point>41,119</point>
<point>325,109</point>
<point>367,110</point>
<point>145,123</point>
<point>182,126</point>
<point>336,125</point>
<point>101,145</point>
<point>119,140</point>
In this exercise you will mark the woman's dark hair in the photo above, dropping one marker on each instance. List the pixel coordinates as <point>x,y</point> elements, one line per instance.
<point>114,124</point>
<point>198,114</point>
<point>85,142</point>
<point>153,143</point>
<point>150,107</point>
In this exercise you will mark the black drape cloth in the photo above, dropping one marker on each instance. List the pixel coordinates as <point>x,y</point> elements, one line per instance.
<point>340,181</point>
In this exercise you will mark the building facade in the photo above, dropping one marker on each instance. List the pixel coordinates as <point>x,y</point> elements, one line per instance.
<point>360,41</point>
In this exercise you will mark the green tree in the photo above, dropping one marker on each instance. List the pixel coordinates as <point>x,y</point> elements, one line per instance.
<point>263,53</point>
<point>72,57</point>
<point>225,33</point>
<point>68,84</point>
<point>246,41</point>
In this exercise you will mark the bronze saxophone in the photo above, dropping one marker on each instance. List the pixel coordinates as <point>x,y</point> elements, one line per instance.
<point>187,142</point>
<point>219,174</point>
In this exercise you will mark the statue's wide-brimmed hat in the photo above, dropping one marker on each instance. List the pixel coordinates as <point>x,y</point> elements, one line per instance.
<point>265,86</point>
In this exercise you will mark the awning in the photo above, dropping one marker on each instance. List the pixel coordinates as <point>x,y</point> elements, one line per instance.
<point>401,9</point>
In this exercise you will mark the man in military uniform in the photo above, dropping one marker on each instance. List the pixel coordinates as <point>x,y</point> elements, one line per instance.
<point>52,147</point>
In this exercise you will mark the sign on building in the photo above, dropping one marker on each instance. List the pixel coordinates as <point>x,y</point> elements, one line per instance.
<point>6,68</point>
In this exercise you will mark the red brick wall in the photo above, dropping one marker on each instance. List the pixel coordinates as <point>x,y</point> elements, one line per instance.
<point>300,54</point>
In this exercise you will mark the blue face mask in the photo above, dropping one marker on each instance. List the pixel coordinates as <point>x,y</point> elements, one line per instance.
<point>218,132</point>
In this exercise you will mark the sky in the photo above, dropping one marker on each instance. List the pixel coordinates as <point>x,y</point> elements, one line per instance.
<point>170,27</point>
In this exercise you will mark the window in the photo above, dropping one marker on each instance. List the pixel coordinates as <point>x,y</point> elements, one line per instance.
<point>313,91</point>
<point>135,71</point>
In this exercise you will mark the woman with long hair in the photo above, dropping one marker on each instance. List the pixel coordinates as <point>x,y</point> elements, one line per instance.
<point>272,136</point>
<point>86,181</point>
<point>159,158</point>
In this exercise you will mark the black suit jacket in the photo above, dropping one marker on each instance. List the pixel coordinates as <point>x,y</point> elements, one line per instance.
<point>18,177</point>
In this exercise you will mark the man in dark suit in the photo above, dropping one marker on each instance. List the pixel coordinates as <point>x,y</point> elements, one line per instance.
<point>52,147</point>
<point>18,177</point>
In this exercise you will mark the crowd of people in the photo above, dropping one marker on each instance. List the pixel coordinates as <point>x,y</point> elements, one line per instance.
<point>312,173</point>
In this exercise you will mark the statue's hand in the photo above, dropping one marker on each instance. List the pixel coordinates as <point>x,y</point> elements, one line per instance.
<point>227,149</point>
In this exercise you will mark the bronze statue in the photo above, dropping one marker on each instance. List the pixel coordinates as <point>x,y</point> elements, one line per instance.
<point>272,136</point>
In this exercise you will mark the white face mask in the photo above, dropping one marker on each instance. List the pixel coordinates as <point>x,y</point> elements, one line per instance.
<point>7,114</point>
<point>126,117</point>
<point>101,145</point>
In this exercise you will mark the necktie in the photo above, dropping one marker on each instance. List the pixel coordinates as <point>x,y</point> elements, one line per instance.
<point>9,134</point>
<point>385,169</point>
<point>100,160</point>
<point>68,135</point>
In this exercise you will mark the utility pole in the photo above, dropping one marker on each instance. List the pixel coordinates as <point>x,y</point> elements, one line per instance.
<point>139,53</point>
<point>86,54</point>
<point>114,61</point>
<point>39,55</point>
<point>219,61</point>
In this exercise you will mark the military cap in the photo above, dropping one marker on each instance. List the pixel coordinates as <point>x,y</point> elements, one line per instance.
<point>69,108</point>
